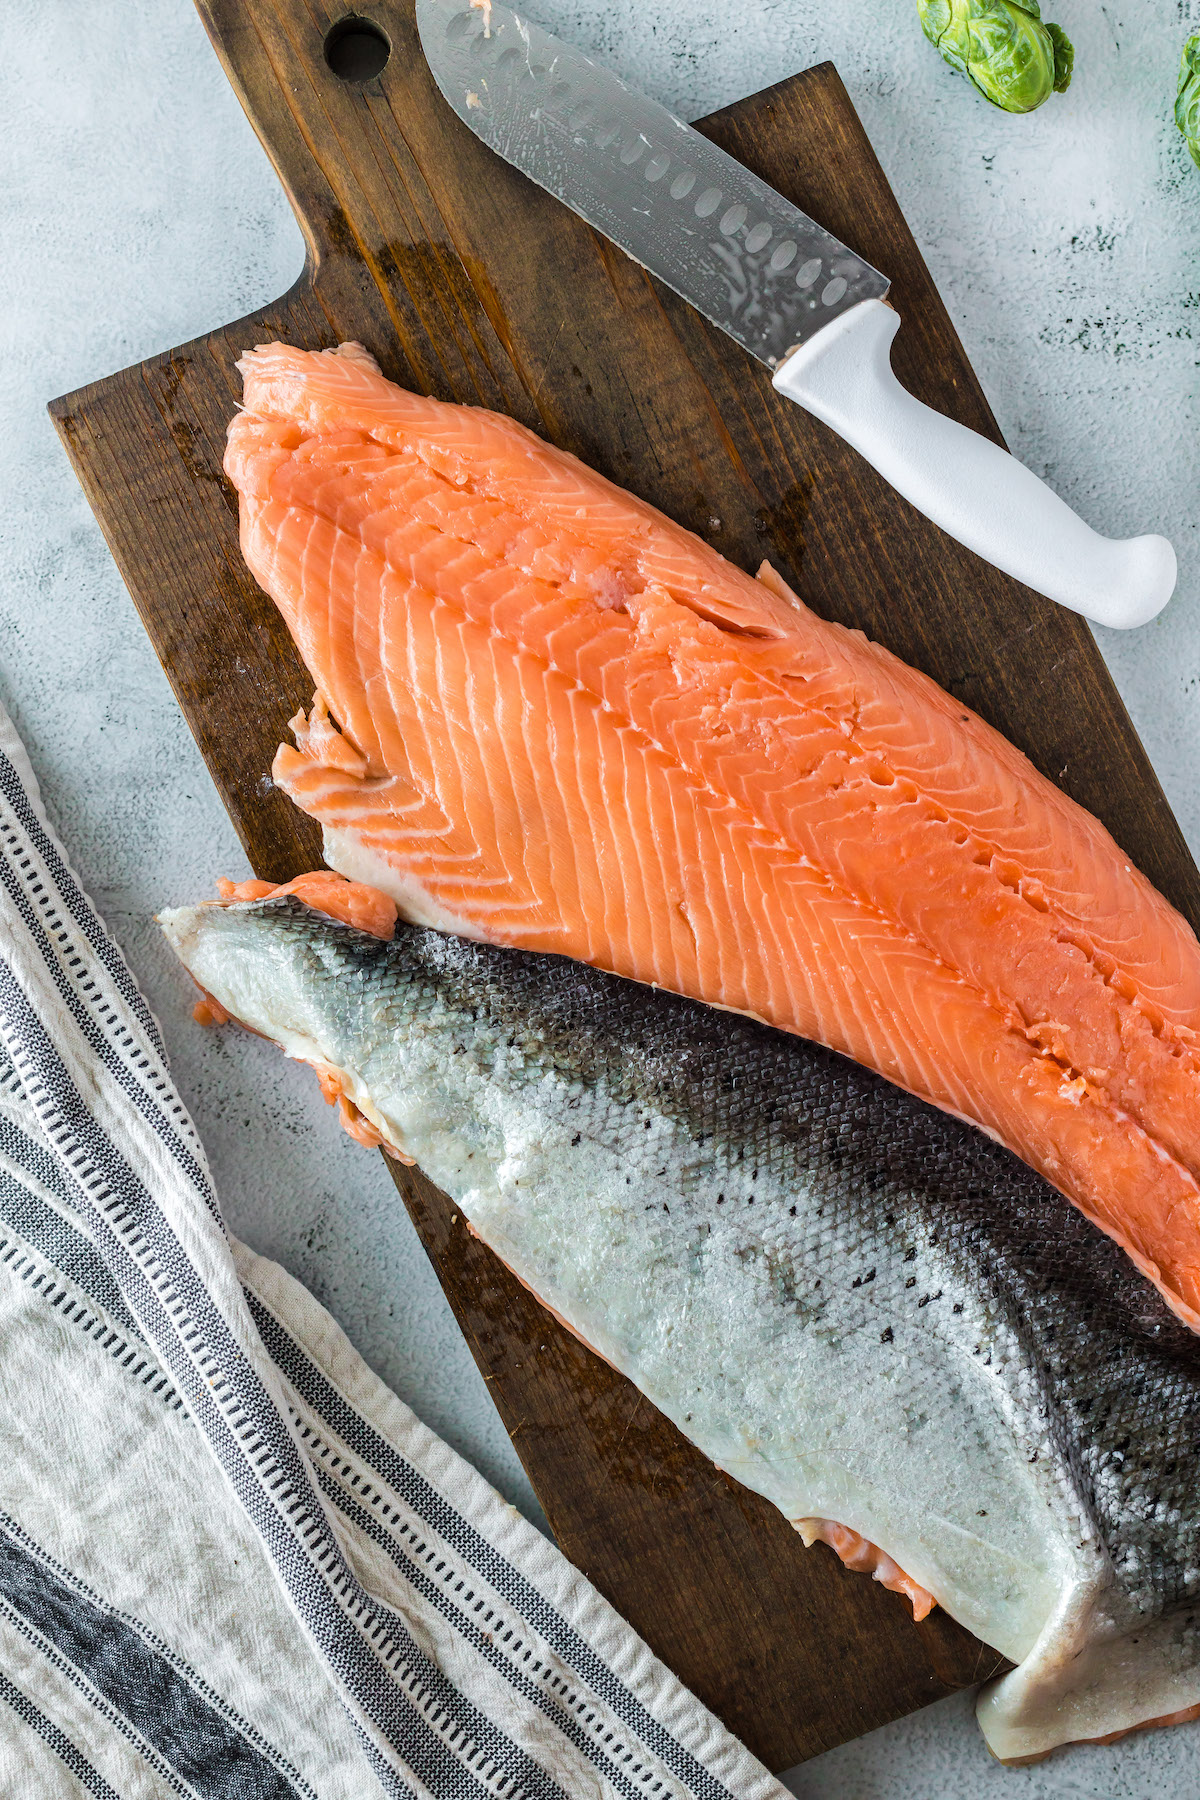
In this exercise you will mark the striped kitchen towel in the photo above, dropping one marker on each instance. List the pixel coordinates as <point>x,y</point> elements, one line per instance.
<point>232,1563</point>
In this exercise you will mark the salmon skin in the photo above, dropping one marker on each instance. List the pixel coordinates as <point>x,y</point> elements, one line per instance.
<point>548,717</point>
<point>859,1306</point>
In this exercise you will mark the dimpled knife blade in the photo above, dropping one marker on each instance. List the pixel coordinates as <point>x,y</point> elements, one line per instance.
<point>737,251</point>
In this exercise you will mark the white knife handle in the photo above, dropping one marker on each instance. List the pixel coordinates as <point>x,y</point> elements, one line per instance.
<point>970,487</point>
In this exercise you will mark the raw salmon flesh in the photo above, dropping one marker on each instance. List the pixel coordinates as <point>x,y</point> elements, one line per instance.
<point>546,716</point>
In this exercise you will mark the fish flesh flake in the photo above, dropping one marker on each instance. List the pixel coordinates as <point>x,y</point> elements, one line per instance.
<point>857,1305</point>
<point>549,717</point>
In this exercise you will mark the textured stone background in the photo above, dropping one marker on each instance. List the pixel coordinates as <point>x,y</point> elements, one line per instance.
<point>136,209</point>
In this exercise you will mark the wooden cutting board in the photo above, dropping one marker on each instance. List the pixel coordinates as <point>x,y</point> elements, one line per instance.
<point>469,283</point>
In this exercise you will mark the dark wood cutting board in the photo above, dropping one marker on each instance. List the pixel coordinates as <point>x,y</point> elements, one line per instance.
<point>469,283</point>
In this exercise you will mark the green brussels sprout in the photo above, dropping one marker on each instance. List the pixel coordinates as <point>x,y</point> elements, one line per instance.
<point>1187,103</point>
<point>1003,47</point>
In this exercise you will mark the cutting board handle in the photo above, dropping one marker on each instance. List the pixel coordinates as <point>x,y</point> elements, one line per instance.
<point>413,229</point>
<point>324,131</point>
<point>375,168</point>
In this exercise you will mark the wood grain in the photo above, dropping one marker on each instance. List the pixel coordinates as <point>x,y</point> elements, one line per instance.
<point>468,283</point>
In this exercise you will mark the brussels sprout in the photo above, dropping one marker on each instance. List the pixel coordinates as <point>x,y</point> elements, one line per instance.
<point>1187,103</point>
<point>1003,47</point>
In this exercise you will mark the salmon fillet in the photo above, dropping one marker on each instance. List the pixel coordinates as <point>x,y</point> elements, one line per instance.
<point>547,716</point>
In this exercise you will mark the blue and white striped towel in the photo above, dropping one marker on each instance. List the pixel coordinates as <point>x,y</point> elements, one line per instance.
<point>231,1562</point>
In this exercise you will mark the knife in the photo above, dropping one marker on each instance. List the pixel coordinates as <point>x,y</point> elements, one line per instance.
<point>788,292</point>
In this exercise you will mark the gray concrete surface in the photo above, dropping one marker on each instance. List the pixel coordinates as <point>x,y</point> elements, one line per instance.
<point>136,209</point>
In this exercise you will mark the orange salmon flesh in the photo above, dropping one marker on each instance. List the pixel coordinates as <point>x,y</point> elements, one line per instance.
<point>548,717</point>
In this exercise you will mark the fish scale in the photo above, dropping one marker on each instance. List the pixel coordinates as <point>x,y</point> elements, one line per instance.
<point>857,1305</point>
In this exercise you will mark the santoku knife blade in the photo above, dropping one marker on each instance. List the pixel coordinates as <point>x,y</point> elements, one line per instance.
<point>774,280</point>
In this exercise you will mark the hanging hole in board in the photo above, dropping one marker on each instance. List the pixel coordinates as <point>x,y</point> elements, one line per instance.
<point>356,49</point>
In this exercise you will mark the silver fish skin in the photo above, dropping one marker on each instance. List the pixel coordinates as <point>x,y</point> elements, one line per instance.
<point>858,1306</point>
